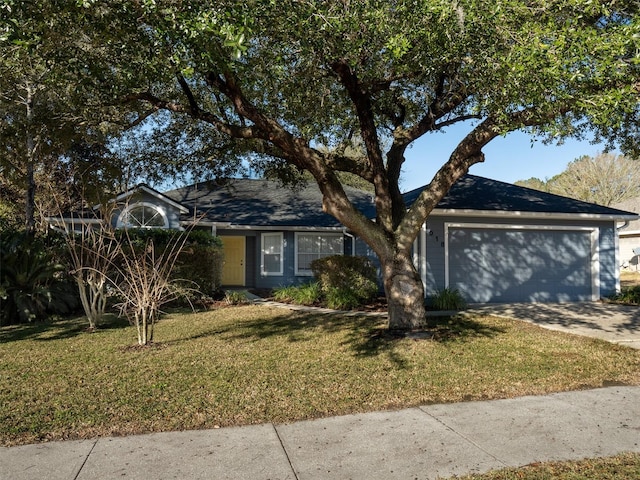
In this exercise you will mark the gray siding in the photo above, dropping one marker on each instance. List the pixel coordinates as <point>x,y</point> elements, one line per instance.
<point>253,274</point>
<point>609,264</point>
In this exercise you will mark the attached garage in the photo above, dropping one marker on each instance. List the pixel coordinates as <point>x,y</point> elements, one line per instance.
<point>518,263</point>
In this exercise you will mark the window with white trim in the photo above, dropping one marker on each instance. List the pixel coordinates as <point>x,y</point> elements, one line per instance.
<point>143,215</point>
<point>272,254</point>
<point>311,246</point>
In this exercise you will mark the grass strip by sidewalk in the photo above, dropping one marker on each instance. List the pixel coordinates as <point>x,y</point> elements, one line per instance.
<point>250,364</point>
<point>620,467</point>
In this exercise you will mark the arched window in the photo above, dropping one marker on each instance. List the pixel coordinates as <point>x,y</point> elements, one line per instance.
<point>143,215</point>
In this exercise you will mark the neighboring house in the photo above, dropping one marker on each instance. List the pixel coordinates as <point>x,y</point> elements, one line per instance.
<point>629,233</point>
<point>493,241</point>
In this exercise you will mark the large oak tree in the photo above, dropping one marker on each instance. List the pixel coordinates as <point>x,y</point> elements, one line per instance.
<point>295,81</point>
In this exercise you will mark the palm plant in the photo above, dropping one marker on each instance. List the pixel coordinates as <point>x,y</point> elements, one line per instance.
<point>31,281</point>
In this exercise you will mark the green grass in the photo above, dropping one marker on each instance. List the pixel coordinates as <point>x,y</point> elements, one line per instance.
<point>619,467</point>
<point>251,364</point>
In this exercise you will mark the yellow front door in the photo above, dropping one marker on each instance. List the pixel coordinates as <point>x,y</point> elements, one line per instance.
<point>234,257</point>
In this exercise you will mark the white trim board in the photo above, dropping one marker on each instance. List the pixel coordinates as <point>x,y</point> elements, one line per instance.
<point>496,214</point>
<point>594,237</point>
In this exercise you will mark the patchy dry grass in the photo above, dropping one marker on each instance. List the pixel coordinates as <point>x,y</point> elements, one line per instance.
<point>620,467</point>
<point>250,364</point>
<point>629,279</point>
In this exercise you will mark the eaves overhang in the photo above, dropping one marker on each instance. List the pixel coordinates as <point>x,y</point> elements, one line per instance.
<point>532,215</point>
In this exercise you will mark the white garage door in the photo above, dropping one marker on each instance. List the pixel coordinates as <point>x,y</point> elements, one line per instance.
<point>524,264</point>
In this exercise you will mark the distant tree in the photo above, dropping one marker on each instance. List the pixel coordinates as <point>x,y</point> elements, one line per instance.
<point>605,179</point>
<point>53,128</point>
<point>534,183</point>
<point>281,81</point>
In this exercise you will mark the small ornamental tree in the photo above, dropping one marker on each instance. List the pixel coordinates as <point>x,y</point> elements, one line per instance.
<point>145,283</point>
<point>93,252</point>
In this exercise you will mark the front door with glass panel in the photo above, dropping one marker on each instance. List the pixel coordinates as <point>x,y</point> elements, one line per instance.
<point>233,271</point>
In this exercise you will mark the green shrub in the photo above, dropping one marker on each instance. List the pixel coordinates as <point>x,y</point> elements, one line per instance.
<point>236,297</point>
<point>341,299</point>
<point>283,294</point>
<point>346,277</point>
<point>448,299</point>
<point>628,295</point>
<point>32,284</point>
<point>307,294</point>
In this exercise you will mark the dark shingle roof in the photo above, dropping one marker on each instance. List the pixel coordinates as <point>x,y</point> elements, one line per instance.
<point>260,203</point>
<point>483,194</point>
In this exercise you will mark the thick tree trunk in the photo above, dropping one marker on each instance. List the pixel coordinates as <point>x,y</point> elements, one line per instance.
<point>405,293</point>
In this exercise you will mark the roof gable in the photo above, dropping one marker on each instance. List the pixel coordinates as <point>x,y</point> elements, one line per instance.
<point>144,188</point>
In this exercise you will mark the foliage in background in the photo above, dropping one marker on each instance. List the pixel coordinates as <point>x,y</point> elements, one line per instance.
<point>198,263</point>
<point>342,283</point>
<point>32,284</point>
<point>605,179</point>
<point>351,278</point>
<point>448,299</point>
<point>235,297</point>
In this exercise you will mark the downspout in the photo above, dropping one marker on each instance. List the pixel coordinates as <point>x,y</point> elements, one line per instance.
<point>624,225</point>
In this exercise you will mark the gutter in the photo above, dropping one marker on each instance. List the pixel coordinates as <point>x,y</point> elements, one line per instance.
<point>624,225</point>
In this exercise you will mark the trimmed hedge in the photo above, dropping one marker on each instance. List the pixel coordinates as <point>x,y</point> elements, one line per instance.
<point>346,281</point>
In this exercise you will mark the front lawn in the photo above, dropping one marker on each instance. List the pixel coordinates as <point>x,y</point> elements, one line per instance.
<point>620,467</point>
<point>251,364</point>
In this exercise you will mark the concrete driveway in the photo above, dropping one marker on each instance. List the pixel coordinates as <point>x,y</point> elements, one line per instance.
<point>613,323</point>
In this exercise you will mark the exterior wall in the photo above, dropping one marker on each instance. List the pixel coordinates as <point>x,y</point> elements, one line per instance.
<point>435,247</point>
<point>609,259</point>
<point>253,274</point>
<point>628,259</point>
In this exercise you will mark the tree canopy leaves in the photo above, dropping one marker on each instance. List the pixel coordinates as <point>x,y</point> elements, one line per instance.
<point>288,84</point>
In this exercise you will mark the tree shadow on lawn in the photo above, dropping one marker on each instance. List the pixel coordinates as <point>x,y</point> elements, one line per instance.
<point>366,336</point>
<point>440,329</point>
<point>57,329</point>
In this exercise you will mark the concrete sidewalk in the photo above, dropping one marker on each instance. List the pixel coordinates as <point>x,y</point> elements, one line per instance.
<point>429,442</point>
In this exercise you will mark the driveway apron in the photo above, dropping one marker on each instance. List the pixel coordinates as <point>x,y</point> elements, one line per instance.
<point>611,322</point>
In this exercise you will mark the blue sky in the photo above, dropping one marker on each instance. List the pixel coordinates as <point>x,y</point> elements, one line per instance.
<point>508,159</point>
